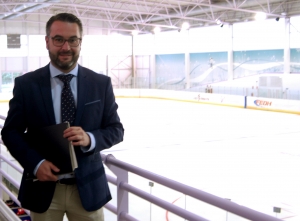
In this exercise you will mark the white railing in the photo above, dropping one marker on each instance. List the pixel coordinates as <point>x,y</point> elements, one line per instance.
<point>121,170</point>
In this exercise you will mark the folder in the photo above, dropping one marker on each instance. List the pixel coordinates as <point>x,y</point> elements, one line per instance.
<point>58,149</point>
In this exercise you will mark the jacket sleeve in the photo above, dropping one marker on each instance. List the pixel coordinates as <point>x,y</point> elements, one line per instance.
<point>14,131</point>
<point>111,131</point>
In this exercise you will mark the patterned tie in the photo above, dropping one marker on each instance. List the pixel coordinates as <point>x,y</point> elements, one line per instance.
<point>67,100</point>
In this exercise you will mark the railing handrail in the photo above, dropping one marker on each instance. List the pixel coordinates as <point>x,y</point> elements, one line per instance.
<point>185,189</point>
<point>162,203</point>
<point>191,191</point>
<point>16,166</point>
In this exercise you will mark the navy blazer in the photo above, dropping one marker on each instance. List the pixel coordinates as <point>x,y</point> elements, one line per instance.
<point>31,108</point>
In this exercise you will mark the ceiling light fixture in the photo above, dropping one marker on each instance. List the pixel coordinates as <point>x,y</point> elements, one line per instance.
<point>156,30</point>
<point>218,21</point>
<point>134,32</point>
<point>260,16</point>
<point>185,26</point>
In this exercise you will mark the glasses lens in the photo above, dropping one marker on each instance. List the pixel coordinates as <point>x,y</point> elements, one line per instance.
<point>58,41</point>
<point>73,42</point>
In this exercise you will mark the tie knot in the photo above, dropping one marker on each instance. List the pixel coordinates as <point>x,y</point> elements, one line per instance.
<point>65,78</point>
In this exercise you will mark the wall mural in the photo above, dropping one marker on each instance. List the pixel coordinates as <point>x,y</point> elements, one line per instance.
<point>212,67</point>
<point>247,63</point>
<point>169,69</point>
<point>295,60</point>
<point>205,68</point>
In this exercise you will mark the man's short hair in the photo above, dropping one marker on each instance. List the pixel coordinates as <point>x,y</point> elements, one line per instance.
<point>64,17</point>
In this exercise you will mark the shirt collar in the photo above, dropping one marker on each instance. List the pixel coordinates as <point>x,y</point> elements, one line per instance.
<point>54,71</point>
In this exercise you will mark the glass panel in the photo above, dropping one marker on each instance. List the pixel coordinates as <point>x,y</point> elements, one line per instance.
<point>8,80</point>
<point>253,91</point>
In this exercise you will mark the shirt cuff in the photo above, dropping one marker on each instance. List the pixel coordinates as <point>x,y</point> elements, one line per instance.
<point>92,145</point>
<point>37,167</point>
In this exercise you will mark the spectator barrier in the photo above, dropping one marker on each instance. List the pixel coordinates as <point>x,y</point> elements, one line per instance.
<point>258,103</point>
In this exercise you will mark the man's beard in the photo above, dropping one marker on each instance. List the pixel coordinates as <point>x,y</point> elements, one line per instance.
<point>64,65</point>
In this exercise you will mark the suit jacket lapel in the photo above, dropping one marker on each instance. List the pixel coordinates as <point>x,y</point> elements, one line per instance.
<point>81,93</point>
<point>45,87</point>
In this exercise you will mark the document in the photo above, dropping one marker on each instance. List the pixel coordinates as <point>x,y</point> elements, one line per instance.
<point>58,149</point>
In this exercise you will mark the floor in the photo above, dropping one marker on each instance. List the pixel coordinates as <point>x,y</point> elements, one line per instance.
<point>248,156</point>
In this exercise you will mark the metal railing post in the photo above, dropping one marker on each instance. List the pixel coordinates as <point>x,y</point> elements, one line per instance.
<point>122,195</point>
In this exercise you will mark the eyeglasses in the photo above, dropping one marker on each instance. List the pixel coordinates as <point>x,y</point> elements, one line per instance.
<point>59,41</point>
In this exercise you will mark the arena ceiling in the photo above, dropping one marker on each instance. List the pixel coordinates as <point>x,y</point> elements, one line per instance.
<point>124,16</point>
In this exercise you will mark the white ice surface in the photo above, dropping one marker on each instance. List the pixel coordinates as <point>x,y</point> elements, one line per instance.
<point>248,156</point>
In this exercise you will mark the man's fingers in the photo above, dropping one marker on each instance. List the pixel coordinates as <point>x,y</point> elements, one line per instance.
<point>54,168</point>
<point>44,172</point>
<point>78,136</point>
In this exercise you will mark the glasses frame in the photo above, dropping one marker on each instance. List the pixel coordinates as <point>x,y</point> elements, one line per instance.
<point>79,42</point>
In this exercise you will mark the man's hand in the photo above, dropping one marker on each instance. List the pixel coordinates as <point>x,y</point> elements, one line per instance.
<point>44,172</point>
<point>78,136</point>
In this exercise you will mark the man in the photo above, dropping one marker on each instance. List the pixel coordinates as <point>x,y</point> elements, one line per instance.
<point>36,103</point>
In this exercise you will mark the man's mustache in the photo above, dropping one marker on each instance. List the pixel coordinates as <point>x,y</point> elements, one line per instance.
<point>65,53</point>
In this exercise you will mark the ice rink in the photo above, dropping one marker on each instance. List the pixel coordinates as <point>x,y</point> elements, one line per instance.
<point>248,156</point>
